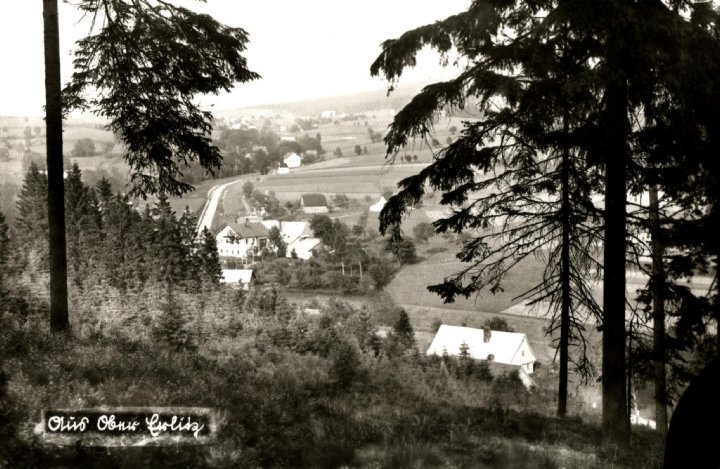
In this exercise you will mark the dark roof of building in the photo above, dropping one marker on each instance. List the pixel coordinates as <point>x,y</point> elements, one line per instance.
<point>313,200</point>
<point>249,230</point>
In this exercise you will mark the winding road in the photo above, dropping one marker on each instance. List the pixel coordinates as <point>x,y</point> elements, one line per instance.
<point>215,194</point>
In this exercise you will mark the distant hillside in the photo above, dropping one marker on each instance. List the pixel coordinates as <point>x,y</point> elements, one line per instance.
<point>350,104</point>
<point>364,102</point>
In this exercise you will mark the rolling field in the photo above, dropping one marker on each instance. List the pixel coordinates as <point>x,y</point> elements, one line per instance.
<point>409,285</point>
<point>355,182</point>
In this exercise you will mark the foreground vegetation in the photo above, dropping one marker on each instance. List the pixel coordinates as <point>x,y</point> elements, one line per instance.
<point>288,389</point>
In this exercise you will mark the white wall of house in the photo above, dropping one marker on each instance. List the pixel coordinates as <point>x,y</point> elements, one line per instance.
<point>322,209</point>
<point>229,246</point>
<point>292,160</point>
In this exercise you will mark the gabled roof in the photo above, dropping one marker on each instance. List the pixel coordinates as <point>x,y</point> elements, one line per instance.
<point>313,200</point>
<point>505,347</point>
<point>249,230</point>
<point>241,276</point>
<point>303,246</point>
<point>290,230</point>
<point>376,207</point>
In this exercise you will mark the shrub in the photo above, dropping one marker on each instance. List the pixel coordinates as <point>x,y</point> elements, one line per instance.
<point>345,366</point>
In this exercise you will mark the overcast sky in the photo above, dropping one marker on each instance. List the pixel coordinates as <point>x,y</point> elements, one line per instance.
<point>302,48</point>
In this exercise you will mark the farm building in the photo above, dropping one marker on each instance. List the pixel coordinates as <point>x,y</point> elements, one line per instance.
<point>292,160</point>
<point>240,240</point>
<point>376,207</point>
<point>290,230</point>
<point>508,348</point>
<point>314,203</point>
<point>304,247</point>
<point>297,236</point>
<point>239,278</point>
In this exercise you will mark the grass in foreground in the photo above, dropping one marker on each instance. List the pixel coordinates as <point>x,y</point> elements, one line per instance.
<point>312,404</point>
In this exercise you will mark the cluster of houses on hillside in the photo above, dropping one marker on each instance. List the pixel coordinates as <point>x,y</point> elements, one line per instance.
<point>243,241</point>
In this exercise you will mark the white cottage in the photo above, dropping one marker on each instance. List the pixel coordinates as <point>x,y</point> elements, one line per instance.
<point>509,348</point>
<point>239,278</point>
<point>292,160</point>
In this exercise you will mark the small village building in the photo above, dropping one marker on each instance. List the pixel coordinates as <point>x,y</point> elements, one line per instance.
<point>290,230</point>
<point>297,236</point>
<point>378,206</point>
<point>303,247</point>
<point>238,278</point>
<point>292,160</point>
<point>260,148</point>
<point>242,240</point>
<point>314,203</point>
<point>508,348</point>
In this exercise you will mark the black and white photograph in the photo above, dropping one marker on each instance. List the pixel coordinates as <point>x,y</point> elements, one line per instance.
<point>377,234</point>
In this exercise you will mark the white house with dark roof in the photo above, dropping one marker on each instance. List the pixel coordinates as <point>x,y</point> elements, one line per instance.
<point>508,348</point>
<point>240,240</point>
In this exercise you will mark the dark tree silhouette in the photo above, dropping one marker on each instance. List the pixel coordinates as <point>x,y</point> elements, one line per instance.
<point>56,192</point>
<point>134,46</point>
<point>615,70</point>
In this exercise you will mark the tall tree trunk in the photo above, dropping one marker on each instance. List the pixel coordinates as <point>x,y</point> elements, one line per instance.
<point>657,285</point>
<point>615,425</point>
<point>56,191</point>
<point>565,275</point>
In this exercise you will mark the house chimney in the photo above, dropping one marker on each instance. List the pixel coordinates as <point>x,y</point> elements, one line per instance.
<point>487,333</point>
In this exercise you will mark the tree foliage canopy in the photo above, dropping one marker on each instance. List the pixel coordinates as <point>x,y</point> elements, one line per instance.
<point>141,67</point>
<point>594,97</point>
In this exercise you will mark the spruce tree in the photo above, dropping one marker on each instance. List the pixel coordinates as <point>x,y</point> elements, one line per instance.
<point>103,189</point>
<point>4,257</point>
<point>189,241</point>
<point>567,79</point>
<point>83,225</point>
<point>168,257</point>
<point>124,244</point>
<point>31,224</point>
<point>208,258</point>
<point>403,330</point>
